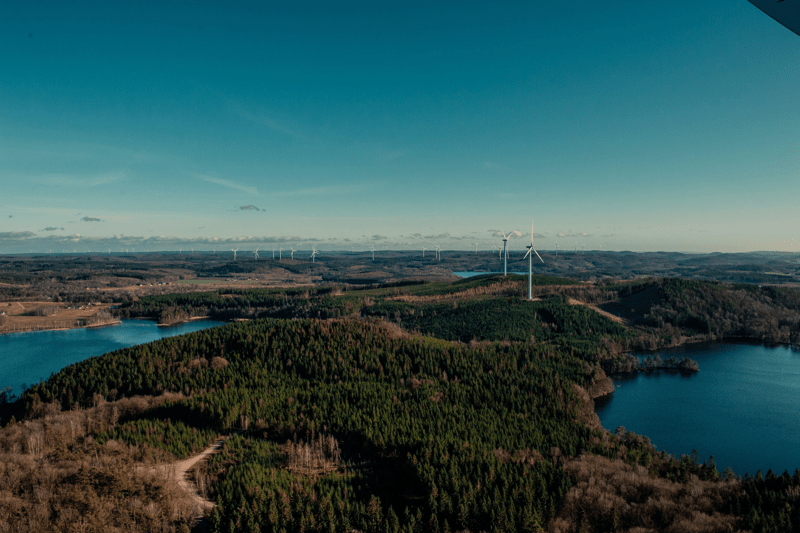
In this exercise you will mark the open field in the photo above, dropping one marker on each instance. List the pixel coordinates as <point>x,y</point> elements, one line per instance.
<point>41,315</point>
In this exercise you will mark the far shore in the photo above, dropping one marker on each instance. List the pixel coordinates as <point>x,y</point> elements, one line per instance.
<point>183,321</point>
<point>45,328</point>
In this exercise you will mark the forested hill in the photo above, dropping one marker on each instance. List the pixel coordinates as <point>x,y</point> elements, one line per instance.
<point>675,308</point>
<point>415,408</point>
<point>432,435</point>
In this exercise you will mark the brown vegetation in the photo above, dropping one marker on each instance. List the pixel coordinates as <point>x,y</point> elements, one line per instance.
<point>611,495</point>
<point>55,477</point>
<point>318,456</point>
<point>30,316</point>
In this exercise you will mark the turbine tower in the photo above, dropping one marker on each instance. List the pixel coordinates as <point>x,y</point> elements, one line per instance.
<point>476,247</point>
<point>423,251</point>
<point>438,253</point>
<point>313,253</point>
<point>529,255</point>
<point>372,246</point>
<point>514,233</point>
<point>280,253</point>
<point>256,254</point>
<point>293,251</point>
<point>234,253</point>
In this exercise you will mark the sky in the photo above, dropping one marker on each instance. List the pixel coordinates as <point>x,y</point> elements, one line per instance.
<point>613,126</point>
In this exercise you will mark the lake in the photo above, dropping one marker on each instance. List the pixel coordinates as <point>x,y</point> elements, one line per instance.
<point>471,274</point>
<point>742,407</point>
<point>32,356</point>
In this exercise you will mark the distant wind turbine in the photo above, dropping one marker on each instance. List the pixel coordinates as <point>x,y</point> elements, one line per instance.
<point>280,253</point>
<point>234,253</point>
<point>293,251</point>
<point>529,255</point>
<point>256,254</point>
<point>373,251</point>
<point>438,253</point>
<point>476,247</point>
<point>423,251</point>
<point>514,233</point>
<point>313,253</point>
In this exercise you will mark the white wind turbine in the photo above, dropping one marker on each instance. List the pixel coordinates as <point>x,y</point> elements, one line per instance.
<point>438,253</point>
<point>476,247</point>
<point>256,254</point>
<point>423,251</point>
<point>293,251</point>
<point>373,251</point>
<point>234,253</point>
<point>514,233</point>
<point>313,253</point>
<point>529,255</point>
<point>280,253</point>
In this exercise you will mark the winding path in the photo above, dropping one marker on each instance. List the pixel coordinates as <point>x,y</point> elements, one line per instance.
<point>179,471</point>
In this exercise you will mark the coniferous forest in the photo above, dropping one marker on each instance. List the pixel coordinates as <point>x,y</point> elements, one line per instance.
<point>426,407</point>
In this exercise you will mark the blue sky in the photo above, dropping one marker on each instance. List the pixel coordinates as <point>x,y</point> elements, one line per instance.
<point>618,126</point>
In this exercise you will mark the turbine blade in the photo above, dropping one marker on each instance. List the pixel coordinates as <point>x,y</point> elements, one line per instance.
<point>527,254</point>
<point>537,255</point>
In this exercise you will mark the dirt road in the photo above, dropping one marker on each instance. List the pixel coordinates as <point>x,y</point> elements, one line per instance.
<point>181,472</point>
<point>606,314</point>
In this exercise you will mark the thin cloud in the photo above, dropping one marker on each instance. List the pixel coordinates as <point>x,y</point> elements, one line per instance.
<point>264,120</point>
<point>561,234</point>
<point>91,219</point>
<point>67,180</point>
<point>249,208</point>
<point>16,235</point>
<point>228,183</point>
<point>538,236</point>
<point>378,237</point>
<point>52,228</point>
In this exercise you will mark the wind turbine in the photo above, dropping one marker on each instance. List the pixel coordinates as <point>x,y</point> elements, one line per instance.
<point>234,253</point>
<point>313,253</point>
<point>423,251</point>
<point>280,253</point>
<point>293,251</point>
<point>476,247</point>
<point>556,249</point>
<point>438,253</point>
<point>529,255</point>
<point>256,254</point>
<point>372,246</point>
<point>514,233</point>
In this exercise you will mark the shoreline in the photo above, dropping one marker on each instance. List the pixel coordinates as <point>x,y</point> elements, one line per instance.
<point>90,326</point>
<point>179,322</point>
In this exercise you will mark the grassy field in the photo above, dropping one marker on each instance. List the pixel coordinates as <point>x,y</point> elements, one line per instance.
<point>59,315</point>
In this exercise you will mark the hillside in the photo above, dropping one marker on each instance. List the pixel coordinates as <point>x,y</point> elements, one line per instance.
<point>418,407</point>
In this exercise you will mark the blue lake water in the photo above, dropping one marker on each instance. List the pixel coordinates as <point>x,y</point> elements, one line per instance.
<point>32,356</point>
<point>742,407</point>
<point>471,274</point>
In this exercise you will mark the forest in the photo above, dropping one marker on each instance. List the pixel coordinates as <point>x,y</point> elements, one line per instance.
<point>422,407</point>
